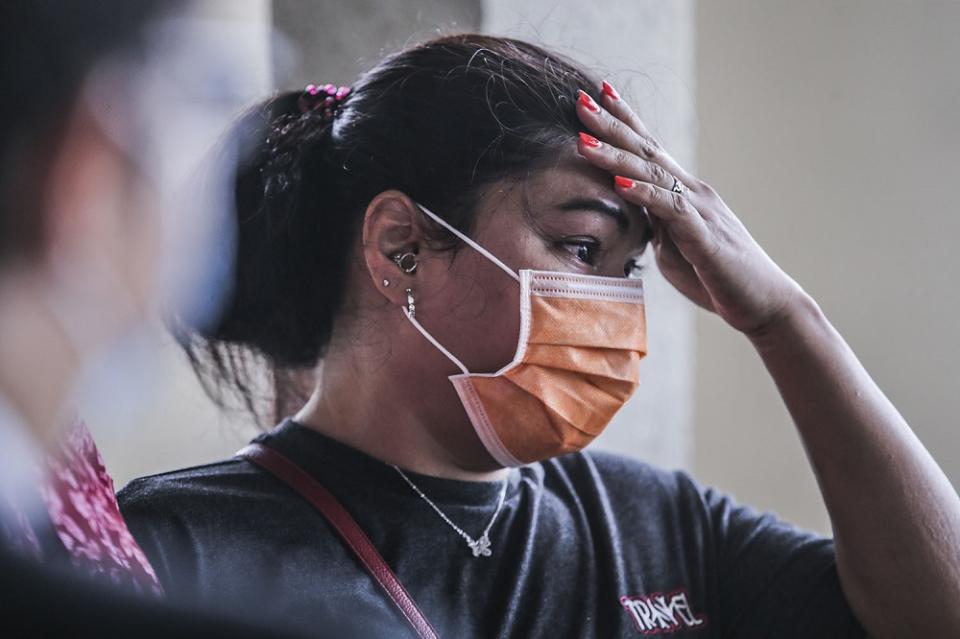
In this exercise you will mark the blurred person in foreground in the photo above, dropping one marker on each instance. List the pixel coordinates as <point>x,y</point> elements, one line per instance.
<point>89,243</point>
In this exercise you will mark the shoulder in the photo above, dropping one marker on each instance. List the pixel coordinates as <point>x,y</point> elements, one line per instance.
<point>673,498</point>
<point>196,497</point>
<point>179,518</point>
<point>193,482</point>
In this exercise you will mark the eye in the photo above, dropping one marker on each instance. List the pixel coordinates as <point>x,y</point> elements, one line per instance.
<point>634,267</point>
<point>583,249</point>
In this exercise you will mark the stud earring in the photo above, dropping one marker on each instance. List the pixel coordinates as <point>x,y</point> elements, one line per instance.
<point>411,306</point>
<point>386,282</point>
<point>406,262</point>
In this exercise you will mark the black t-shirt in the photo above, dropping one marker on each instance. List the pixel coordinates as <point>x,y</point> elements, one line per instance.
<point>587,545</point>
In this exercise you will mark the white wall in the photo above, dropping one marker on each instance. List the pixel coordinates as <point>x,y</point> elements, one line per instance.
<point>831,129</point>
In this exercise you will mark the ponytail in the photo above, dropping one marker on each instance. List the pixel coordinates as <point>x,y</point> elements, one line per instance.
<point>290,257</point>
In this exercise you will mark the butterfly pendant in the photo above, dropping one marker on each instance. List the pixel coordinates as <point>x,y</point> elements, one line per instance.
<point>481,547</point>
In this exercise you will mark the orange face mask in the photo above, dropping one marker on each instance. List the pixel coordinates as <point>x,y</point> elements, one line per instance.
<point>577,362</point>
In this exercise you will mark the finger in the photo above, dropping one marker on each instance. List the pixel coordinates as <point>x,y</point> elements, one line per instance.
<point>610,100</point>
<point>622,162</point>
<point>615,131</point>
<point>682,220</point>
<point>680,273</point>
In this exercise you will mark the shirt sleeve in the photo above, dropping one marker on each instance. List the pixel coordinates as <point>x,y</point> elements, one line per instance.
<point>774,579</point>
<point>164,538</point>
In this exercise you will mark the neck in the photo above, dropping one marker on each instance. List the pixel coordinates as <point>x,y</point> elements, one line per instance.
<point>37,362</point>
<point>401,417</point>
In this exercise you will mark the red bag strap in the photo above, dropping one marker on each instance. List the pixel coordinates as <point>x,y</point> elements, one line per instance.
<point>287,471</point>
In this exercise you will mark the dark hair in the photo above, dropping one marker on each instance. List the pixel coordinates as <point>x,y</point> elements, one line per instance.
<point>47,48</point>
<point>438,121</point>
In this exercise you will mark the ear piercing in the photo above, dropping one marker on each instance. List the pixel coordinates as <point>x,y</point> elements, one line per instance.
<point>406,262</point>
<point>411,306</point>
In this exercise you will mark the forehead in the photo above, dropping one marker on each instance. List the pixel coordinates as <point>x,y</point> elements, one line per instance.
<point>570,174</point>
<point>570,180</point>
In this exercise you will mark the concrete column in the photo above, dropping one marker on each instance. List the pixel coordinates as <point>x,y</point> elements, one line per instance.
<point>646,48</point>
<point>335,41</point>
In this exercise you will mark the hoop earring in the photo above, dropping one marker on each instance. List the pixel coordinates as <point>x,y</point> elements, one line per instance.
<point>411,305</point>
<point>406,262</point>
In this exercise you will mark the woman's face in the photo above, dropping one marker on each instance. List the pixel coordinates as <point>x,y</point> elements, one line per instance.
<point>564,218</point>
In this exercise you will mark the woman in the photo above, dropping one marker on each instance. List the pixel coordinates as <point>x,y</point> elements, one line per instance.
<point>465,192</point>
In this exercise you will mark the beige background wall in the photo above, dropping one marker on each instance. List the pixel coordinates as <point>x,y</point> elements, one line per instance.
<point>832,129</point>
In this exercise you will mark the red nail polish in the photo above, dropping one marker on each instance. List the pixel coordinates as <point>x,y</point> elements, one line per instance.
<point>624,183</point>
<point>588,102</point>
<point>610,91</point>
<point>589,140</point>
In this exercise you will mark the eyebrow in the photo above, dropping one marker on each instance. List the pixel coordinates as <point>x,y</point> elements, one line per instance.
<point>598,205</point>
<point>582,203</point>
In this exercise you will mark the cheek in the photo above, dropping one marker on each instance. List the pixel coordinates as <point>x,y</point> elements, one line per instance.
<point>480,316</point>
<point>130,249</point>
<point>525,248</point>
<point>496,342</point>
<point>144,248</point>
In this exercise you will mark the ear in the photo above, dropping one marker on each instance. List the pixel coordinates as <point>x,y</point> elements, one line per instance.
<point>392,226</point>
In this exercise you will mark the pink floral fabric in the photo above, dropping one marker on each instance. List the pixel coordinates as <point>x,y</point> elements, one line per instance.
<point>83,507</point>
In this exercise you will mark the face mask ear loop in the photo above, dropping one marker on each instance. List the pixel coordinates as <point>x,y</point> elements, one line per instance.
<point>433,341</point>
<point>487,254</point>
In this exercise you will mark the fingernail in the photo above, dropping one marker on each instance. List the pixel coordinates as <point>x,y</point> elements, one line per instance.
<point>588,102</point>
<point>624,183</point>
<point>589,140</point>
<point>610,91</point>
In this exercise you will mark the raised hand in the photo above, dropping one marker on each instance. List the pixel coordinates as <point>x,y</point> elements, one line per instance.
<point>701,246</point>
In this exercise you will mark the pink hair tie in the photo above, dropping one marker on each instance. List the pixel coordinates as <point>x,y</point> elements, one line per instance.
<point>325,98</point>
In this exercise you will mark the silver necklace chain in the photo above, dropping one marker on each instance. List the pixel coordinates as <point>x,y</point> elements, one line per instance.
<point>480,547</point>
